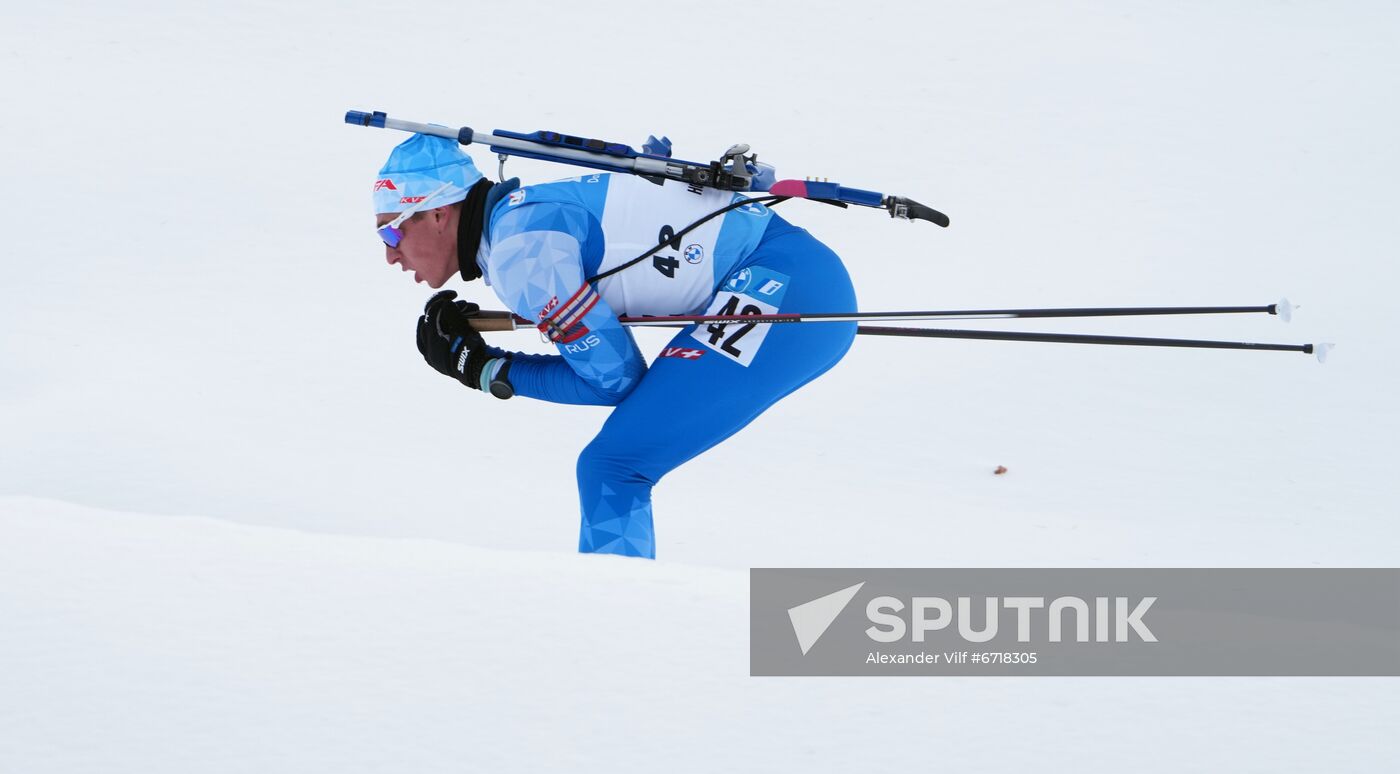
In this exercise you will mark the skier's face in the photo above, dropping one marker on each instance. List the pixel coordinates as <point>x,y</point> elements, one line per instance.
<point>429,245</point>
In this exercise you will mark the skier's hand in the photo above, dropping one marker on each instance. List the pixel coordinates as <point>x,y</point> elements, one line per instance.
<point>447,340</point>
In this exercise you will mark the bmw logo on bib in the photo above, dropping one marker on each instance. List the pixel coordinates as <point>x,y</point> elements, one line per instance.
<point>738,281</point>
<point>694,253</point>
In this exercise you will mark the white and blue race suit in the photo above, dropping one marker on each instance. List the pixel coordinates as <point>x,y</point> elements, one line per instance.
<point>542,245</point>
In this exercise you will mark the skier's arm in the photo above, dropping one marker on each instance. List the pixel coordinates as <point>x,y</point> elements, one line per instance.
<point>536,265</point>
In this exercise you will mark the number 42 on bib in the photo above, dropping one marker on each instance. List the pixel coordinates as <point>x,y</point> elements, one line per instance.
<point>751,291</point>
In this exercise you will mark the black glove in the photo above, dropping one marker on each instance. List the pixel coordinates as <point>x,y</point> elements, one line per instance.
<point>450,344</point>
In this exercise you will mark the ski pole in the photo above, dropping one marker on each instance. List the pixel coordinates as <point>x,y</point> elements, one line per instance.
<point>1320,350</point>
<point>489,321</point>
<point>1281,309</point>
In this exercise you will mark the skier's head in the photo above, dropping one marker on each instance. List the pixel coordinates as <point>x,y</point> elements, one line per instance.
<point>417,205</point>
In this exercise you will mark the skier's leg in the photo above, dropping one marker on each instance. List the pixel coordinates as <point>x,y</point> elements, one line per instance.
<point>698,393</point>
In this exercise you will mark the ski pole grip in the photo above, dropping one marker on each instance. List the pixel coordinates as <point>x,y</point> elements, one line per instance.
<point>489,321</point>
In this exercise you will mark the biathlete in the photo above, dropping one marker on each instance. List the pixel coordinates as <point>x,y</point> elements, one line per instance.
<point>551,252</point>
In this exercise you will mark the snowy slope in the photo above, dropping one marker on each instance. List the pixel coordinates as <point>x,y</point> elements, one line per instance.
<point>152,643</point>
<point>196,325</point>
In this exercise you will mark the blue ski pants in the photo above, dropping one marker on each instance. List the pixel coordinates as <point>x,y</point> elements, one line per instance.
<point>688,402</point>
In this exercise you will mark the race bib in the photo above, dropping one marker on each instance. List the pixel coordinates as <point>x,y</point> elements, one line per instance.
<point>751,291</point>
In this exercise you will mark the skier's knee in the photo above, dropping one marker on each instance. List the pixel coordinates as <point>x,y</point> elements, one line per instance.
<point>601,461</point>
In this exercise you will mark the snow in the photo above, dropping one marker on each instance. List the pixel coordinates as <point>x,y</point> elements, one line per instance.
<point>242,527</point>
<point>158,643</point>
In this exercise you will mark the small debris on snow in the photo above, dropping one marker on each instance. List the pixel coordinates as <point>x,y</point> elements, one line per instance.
<point>1000,470</point>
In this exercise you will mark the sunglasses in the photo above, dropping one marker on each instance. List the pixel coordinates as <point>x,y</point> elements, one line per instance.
<point>391,233</point>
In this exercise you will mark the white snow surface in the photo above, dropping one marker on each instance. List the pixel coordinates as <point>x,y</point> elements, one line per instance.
<point>244,528</point>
